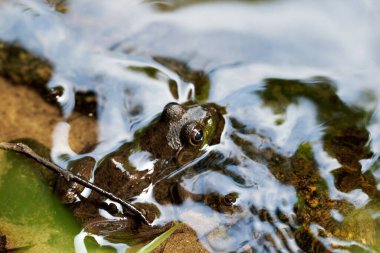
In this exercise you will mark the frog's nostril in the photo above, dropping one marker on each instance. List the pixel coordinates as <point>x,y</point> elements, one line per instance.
<point>215,109</point>
<point>212,109</point>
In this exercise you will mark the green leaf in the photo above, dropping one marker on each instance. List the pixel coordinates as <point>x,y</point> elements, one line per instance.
<point>158,240</point>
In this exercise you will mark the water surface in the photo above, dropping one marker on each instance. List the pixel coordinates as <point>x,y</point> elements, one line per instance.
<point>299,81</point>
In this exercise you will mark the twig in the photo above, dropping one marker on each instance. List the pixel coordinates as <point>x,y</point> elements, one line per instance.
<point>27,151</point>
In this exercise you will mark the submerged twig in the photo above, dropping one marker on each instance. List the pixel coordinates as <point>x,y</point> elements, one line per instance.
<point>27,151</point>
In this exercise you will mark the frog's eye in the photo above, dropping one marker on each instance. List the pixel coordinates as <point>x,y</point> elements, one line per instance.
<point>172,111</point>
<point>193,134</point>
<point>196,136</point>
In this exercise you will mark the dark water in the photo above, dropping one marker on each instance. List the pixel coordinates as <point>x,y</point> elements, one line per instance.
<point>299,81</point>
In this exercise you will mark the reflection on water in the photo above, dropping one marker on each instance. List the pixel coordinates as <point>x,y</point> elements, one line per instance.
<point>298,159</point>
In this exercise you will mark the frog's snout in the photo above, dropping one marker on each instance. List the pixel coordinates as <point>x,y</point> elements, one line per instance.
<point>214,109</point>
<point>216,112</point>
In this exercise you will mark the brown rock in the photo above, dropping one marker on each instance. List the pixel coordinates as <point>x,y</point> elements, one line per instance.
<point>183,240</point>
<point>24,114</point>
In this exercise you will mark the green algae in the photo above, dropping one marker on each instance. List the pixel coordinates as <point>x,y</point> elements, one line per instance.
<point>29,211</point>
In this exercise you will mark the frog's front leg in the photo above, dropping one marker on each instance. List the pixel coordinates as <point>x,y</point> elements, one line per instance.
<point>68,192</point>
<point>127,230</point>
<point>174,193</point>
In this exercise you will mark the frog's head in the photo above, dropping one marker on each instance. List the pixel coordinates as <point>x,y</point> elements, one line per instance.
<point>182,133</point>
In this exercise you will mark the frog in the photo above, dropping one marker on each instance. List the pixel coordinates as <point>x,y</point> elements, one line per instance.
<point>175,138</point>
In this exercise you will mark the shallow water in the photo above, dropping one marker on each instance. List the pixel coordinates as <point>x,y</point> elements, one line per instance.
<point>299,81</point>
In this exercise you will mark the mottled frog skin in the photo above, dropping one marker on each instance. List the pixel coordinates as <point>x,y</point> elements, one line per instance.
<point>176,137</point>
